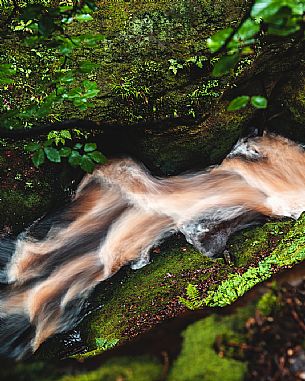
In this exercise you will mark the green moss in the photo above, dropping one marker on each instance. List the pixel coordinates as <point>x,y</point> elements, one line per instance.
<point>268,303</point>
<point>251,243</point>
<point>36,371</point>
<point>18,208</point>
<point>198,360</point>
<point>141,368</point>
<point>290,250</point>
<point>130,294</point>
<point>124,368</point>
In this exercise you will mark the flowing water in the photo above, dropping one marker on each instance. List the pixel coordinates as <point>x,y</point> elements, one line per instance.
<point>119,213</point>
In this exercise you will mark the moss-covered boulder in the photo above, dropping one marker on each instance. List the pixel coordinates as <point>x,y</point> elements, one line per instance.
<point>154,76</point>
<point>132,302</point>
<point>198,359</point>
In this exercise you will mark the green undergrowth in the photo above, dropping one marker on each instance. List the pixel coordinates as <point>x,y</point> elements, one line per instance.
<point>198,359</point>
<point>289,251</point>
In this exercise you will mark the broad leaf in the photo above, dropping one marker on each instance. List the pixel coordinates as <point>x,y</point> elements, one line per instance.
<point>74,158</point>
<point>259,101</point>
<point>89,147</point>
<point>87,164</point>
<point>225,64</point>
<point>98,157</point>
<point>217,40</point>
<point>65,151</point>
<point>238,103</point>
<point>248,29</point>
<point>52,154</point>
<point>31,147</point>
<point>38,158</point>
<point>83,17</point>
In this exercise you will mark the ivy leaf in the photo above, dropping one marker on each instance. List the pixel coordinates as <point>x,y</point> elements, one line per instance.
<point>217,40</point>
<point>225,64</point>
<point>65,151</point>
<point>259,101</point>
<point>52,154</point>
<point>238,103</point>
<point>31,147</point>
<point>87,164</point>
<point>89,147</point>
<point>38,158</point>
<point>98,157</point>
<point>74,158</point>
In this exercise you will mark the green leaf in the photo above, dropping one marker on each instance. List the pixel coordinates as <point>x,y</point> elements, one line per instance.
<point>267,8</point>
<point>88,66</point>
<point>217,40</point>
<point>48,143</point>
<point>225,64</point>
<point>6,81</point>
<point>65,151</point>
<point>98,157</point>
<point>65,134</point>
<point>38,157</point>
<point>89,147</point>
<point>83,17</point>
<point>74,158</point>
<point>78,146</point>
<point>238,103</point>
<point>89,85</point>
<point>31,147</point>
<point>259,101</point>
<point>87,164</point>
<point>7,70</point>
<point>52,154</point>
<point>248,29</point>
<point>91,39</point>
<point>67,77</point>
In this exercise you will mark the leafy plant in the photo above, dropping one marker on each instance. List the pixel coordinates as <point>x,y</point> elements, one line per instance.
<point>193,301</point>
<point>54,149</point>
<point>274,17</point>
<point>128,90</point>
<point>197,61</point>
<point>174,66</point>
<point>105,344</point>
<point>44,31</point>
<point>242,101</point>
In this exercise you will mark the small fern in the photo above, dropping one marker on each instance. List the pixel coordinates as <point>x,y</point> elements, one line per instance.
<point>105,344</point>
<point>193,301</point>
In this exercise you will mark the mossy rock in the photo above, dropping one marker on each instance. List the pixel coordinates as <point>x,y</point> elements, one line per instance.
<point>26,193</point>
<point>198,359</point>
<point>132,302</point>
<point>138,86</point>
